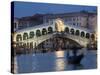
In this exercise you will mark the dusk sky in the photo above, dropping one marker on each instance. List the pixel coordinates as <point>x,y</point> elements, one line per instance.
<point>22,9</point>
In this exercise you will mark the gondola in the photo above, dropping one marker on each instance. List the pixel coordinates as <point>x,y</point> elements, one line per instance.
<point>75,59</point>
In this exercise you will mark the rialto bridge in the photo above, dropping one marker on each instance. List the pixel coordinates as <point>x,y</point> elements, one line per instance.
<point>33,36</point>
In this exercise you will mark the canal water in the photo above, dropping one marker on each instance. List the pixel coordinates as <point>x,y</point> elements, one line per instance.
<point>54,61</point>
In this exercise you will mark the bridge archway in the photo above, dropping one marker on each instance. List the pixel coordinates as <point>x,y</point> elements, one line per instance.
<point>87,35</point>
<point>50,30</point>
<point>44,31</point>
<point>31,34</point>
<point>28,45</point>
<point>73,42</point>
<point>72,31</point>
<point>24,45</point>
<point>25,36</point>
<point>18,37</point>
<point>38,33</point>
<point>44,44</point>
<point>66,29</point>
<point>77,32</point>
<point>82,34</point>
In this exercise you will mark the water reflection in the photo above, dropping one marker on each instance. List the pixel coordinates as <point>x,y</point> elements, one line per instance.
<point>53,61</point>
<point>59,54</point>
<point>60,63</point>
<point>77,67</point>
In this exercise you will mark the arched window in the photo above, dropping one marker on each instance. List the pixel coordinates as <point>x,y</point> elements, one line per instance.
<point>87,35</point>
<point>50,30</point>
<point>77,32</point>
<point>92,36</point>
<point>72,31</point>
<point>18,38</point>
<point>82,34</point>
<point>31,34</point>
<point>31,45</point>
<point>25,36</point>
<point>28,45</point>
<point>35,45</point>
<point>44,31</point>
<point>67,30</point>
<point>38,33</point>
<point>24,45</point>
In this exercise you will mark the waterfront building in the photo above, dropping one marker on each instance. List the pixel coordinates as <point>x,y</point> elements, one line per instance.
<point>81,19</point>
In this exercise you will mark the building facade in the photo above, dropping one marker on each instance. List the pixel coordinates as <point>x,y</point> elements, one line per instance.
<point>80,19</point>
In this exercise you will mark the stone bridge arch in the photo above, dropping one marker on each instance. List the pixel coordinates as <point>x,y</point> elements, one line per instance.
<point>79,40</point>
<point>76,34</point>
